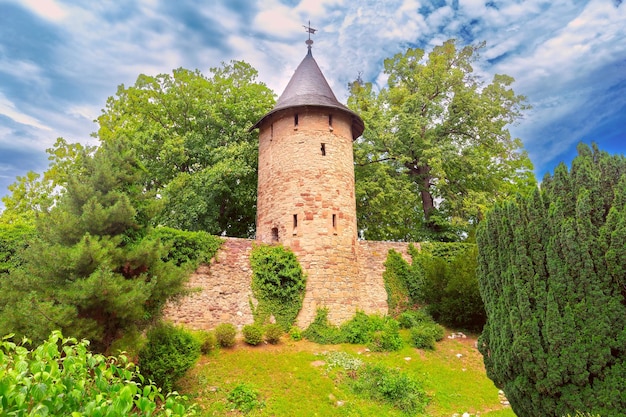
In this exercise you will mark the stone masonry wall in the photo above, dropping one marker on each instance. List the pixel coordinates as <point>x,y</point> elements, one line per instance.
<point>223,287</point>
<point>222,290</point>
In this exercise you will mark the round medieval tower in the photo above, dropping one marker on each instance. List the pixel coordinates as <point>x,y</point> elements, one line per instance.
<point>306,195</point>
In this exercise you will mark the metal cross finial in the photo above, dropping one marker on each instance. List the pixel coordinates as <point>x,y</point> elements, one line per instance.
<point>309,30</point>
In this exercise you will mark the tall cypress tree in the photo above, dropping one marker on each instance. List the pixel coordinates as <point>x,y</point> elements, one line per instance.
<point>552,276</point>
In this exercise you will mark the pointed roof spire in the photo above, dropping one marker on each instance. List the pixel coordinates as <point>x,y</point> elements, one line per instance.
<point>308,87</point>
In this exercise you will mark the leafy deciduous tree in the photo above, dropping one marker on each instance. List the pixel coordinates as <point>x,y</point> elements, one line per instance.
<point>443,135</point>
<point>191,134</point>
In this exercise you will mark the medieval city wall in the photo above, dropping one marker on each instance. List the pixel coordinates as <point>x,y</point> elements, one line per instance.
<point>222,291</point>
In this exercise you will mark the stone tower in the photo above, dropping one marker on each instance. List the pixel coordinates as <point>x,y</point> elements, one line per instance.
<point>306,195</point>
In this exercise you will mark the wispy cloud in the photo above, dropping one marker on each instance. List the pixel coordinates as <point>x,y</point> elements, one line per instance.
<point>61,59</point>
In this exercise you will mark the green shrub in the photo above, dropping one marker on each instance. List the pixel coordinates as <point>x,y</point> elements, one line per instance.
<point>321,331</point>
<point>186,247</point>
<point>245,398</point>
<point>207,340</point>
<point>169,352</point>
<point>34,384</point>
<point>130,344</point>
<point>390,386</point>
<point>278,284</point>
<point>225,334</point>
<point>295,333</point>
<point>358,330</point>
<point>388,339</point>
<point>412,318</point>
<point>422,337</point>
<point>273,333</point>
<point>450,284</point>
<point>252,334</point>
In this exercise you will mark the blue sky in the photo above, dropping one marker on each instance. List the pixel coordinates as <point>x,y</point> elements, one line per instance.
<point>60,60</point>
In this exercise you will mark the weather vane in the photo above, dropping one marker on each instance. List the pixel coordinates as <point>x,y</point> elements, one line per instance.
<point>309,30</point>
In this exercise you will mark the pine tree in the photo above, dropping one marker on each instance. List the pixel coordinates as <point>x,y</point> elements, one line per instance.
<point>94,270</point>
<point>551,274</point>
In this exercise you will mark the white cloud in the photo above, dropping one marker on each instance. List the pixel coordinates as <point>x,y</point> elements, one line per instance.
<point>8,109</point>
<point>46,9</point>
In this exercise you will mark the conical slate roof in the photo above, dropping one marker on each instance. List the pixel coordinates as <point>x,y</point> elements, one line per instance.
<point>308,87</point>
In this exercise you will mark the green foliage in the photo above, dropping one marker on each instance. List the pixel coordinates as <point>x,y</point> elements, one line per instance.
<point>273,333</point>
<point>422,338</point>
<point>14,239</point>
<point>225,334</point>
<point>93,272</point>
<point>278,284</point>
<point>61,377</point>
<point>207,341</point>
<point>295,333</point>
<point>322,331</point>
<point>551,272</point>
<point>190,133</point>
<point>424,335</point>
<point>359,329</point>
<point>184,247</point>
<point>245,398</point>
<point>396,278</point>
<point>450,284</point>
<point>433,113</point>
<point>252,334</point>
<point>168,354</point>
<point>383,384</point>
<point>34,193</point>
<point>412,318</point>
<point>388,339</point>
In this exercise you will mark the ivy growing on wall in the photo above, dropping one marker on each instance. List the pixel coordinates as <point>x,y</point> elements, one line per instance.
<point>278,284</point>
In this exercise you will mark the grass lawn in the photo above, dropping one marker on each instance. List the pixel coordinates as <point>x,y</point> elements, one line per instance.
<point>292,380</point>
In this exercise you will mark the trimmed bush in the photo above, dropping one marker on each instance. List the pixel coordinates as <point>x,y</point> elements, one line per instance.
<point>422,337</point>
<point>273,333</point>
<point>168,354</point>
<point>252,334</point>
<point>207,341</point>
<point>225,334</point>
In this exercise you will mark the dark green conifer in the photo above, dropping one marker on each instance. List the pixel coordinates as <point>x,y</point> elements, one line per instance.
<point>552,274</point>
<point>94,270</point>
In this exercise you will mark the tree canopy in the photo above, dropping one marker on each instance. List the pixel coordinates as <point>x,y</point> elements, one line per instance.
<point>191,134</point>
<point>441,137</point>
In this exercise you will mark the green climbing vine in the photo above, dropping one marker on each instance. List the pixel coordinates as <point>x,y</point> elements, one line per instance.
<point>278,284</point>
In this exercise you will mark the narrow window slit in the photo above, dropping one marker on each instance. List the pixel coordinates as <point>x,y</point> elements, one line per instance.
<point>295,224</point>
<point>323,149</point>
<point>334,223</point>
